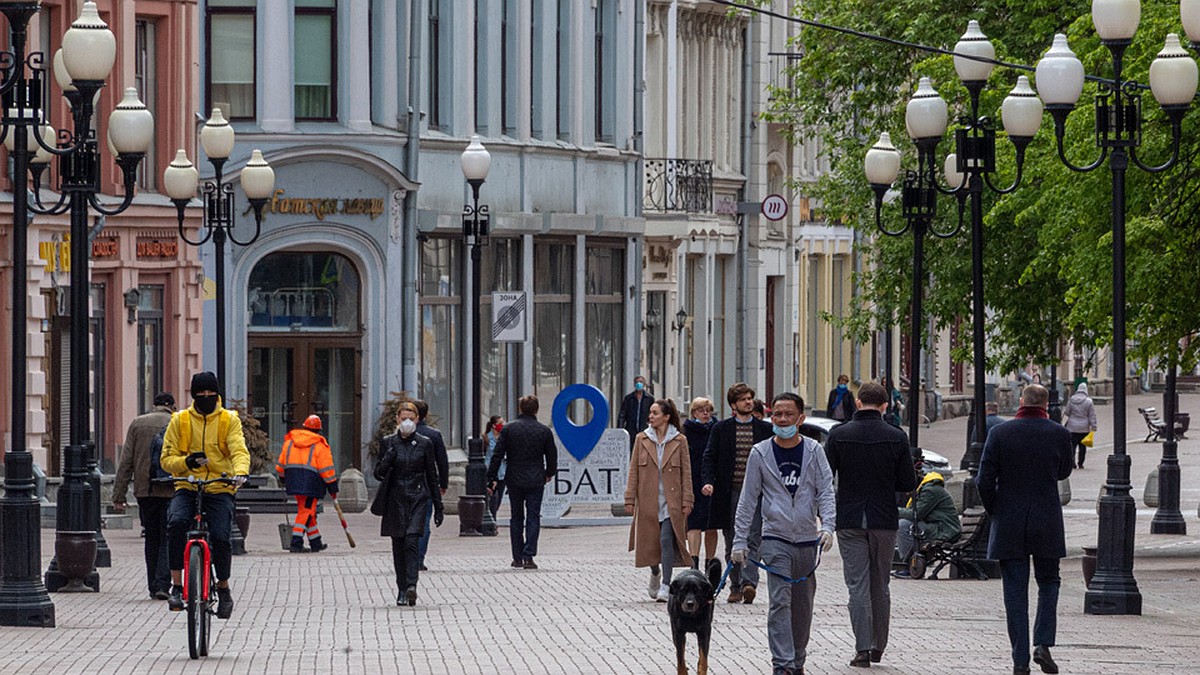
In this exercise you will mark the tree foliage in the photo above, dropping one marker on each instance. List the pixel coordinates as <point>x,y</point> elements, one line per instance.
<point>1048,245</point>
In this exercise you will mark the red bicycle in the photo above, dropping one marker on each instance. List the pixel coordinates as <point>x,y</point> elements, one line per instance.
<point>198,572</point>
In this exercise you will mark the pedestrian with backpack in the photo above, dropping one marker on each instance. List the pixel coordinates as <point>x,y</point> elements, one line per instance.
<point>306,467</point>
<point>139,462</point>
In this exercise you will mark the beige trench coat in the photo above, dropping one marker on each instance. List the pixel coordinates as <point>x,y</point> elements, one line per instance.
<point>641,492</point>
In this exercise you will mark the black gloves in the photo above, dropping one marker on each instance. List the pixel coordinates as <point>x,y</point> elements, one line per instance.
<point>439,515</point>
<point>195,460</point>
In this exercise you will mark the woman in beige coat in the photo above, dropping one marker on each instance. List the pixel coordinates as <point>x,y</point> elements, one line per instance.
<point>659,496</point>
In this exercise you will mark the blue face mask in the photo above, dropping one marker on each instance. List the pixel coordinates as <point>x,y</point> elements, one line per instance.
<point>841,387</point>
<point>639,386</point>
<point>784,432</point>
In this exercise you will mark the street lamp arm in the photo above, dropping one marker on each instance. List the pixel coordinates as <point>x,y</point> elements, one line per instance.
<point>41,209</point>
<point>257,230</point>
<point>957,228</point>
<point>74,143</point>
<point>1176,137</point>
<point>208,232</point>
<point>120,208</point>
<point>1062,154</point>
<point>987,179</point>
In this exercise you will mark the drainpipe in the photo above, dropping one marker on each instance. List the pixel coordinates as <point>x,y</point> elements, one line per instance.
<point>412,155</point>
<point>743,252</point>
<point>633,327</point>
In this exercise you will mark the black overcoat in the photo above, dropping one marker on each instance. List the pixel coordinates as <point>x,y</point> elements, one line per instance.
<point>528,446</point>
<point>410,467</point>
<point>717,468</point>
<point>1023,460</point>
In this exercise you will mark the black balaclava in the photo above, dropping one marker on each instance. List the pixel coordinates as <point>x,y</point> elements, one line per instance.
<point>206,381</point>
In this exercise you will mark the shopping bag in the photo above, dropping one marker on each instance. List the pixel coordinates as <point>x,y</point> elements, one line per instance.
<point>1089,439</point>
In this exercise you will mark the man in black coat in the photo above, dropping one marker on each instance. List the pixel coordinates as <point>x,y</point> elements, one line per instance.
<point>635,410</point>
<point>875,463</point>
<point>723,469</point>
<point>528,445</point>
<point>1023,460</point>
<point>443,470</point>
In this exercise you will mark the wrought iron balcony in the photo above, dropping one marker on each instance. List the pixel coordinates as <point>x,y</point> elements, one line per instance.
<point>678,185</point>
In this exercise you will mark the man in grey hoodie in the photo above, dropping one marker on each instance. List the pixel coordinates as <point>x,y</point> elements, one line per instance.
<point>791,476</point>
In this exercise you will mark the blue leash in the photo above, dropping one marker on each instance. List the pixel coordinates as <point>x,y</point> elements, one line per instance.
<point>724,578</point>
<point>769,570</point>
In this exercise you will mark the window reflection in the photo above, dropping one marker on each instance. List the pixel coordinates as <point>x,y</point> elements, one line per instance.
<point>304,291</point>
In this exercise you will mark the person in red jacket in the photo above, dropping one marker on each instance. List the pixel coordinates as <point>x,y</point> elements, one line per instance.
<point>306,466</point>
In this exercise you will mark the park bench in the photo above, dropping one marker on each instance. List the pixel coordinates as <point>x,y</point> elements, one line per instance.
<point>1157,427</point>
<point>959,552</point>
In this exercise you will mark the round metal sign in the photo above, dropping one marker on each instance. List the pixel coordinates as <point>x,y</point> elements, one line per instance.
<point>774,208</point>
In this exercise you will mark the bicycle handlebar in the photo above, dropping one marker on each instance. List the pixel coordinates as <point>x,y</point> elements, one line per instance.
<point>196,481</point>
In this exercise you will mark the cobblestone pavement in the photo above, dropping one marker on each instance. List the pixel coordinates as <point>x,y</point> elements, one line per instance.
<point>587,611</point>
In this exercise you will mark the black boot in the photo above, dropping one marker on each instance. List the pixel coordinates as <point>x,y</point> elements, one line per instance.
<point>695,562</point>
<point>297,545</point>
<point>317,545</point>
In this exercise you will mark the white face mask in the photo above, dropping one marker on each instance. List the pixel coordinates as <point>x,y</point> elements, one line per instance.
<point>407,427</point>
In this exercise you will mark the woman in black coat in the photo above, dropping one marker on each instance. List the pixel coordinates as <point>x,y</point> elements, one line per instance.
<point>407,470</point>
<point>697,429</point>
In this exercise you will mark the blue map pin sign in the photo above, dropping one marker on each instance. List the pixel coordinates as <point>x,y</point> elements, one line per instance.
<point>579,440</point>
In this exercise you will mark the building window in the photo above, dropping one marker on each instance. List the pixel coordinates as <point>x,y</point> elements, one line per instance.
<point>316,60</point>
<point>605,23</point>
<point>435,65</point>
<point>604,323</point>
<point>553,318</point>
<point>231,57</point>
<point>500,271</point>
<point>479,82</point>
<point>536,84</point>
<point>441,339</point>
<point>508,67</point>
<point>562,69</point>
<point>146,80</point>
<point>99,370</point>
<point>304,292</point>
<point>150,345</point>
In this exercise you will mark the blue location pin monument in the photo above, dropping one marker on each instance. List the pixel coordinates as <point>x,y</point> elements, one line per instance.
<point>579,440</point>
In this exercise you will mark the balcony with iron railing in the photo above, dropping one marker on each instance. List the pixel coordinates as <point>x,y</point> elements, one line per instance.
<point>678,186</point>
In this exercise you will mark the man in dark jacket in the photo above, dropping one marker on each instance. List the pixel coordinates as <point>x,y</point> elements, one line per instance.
<point>1023,460</point>
<point>723,469</point>
<point>930,516</point>
<point>443,469</point>
<point>635,410</point>
<point>152,498</point>
<point>528,445</point>
<point>875,463</point>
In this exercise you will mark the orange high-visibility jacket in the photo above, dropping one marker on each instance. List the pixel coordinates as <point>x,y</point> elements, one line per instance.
<point>306,464</point>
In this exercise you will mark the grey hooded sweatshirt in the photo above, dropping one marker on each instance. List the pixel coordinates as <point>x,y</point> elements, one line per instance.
<point>793,518</point>
<point>1079,417</point>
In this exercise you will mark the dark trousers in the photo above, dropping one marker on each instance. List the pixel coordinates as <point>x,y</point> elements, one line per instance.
<point>743,575</point>
<point>423,542</point>
<point>1080,448</point>
<point>218,513</point>
<point>1014,574</point>
<point>495,498</point>
<point>406,560</point>
<point>526,521</point>
<point>152,511</point>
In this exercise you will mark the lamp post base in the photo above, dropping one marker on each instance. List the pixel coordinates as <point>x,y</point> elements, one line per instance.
<point>1113,589</point>
<point>26,604</point>
<point>470,515</point>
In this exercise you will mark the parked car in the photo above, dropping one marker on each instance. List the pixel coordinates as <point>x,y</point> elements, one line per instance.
<point>818,428</point>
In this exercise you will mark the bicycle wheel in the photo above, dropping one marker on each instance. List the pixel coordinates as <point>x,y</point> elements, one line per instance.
<point>206,613</point>
<point>197,607</point>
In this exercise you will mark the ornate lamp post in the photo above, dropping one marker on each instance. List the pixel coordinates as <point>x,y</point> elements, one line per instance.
<point>474,518</point>
<point>1173,80</point>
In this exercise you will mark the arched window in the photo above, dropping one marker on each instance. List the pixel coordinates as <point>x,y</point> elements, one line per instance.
<point>315,291</point>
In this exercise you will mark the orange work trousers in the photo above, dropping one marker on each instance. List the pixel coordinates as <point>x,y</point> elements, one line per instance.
<point>306,517</point>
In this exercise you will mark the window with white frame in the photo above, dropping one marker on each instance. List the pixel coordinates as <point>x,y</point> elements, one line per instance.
<point>231,57</point>
<point>315,73</point>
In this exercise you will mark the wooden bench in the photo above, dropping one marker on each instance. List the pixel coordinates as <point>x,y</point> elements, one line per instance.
<point>1157,427</point>
<point>959,552</point>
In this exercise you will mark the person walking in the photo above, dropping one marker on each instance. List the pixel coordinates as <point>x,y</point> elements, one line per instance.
<point>840,405</point>
<point>204,441</point>
<point>443,470</point>
<point>140,462</point>
<point>408,476</point>
<point>697,429</point>
<point>1079,418</point>
<point>1023,461</point>
<point>492,434</point>
<point>929,516</point>
<point>658,494</point>
<point>723,470</point>
<point>305,466</point>
<point>790,476</point>
<point>875,463</point>
<point>635,410</point>
<point>527,446</point>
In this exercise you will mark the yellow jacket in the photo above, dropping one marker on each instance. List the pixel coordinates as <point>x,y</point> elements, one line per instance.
<point>189,431</point>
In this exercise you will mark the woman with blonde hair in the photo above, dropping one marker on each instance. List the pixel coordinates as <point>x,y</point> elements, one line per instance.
<point>697,429</point>
<point>658,494</point>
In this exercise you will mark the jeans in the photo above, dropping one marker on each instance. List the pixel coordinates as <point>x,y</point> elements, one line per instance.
<point>496,497</point>
<point>405,560</point>
<point>526,521</point>
<point>742,575</point>
<point>152,511</point>
<point>789,617</point>
<point>866,566</point>
<point>218,513</point>
<point>666,542</point>
<point>423,543</point>
<point>1014,574</point>
<point>907,537</point>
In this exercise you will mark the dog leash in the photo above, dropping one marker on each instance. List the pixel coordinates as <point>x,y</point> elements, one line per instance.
<point>724,578</point>
<point>769,570</point>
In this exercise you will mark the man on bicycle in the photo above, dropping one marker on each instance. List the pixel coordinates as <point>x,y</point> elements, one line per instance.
<point>204,441</point>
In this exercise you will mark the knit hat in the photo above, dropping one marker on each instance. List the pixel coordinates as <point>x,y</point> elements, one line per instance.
<point>206,381</point>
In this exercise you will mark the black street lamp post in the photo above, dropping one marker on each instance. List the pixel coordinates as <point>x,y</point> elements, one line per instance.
<point>1167,517</point>
<point>474,518</point>
<point>1173,80</point>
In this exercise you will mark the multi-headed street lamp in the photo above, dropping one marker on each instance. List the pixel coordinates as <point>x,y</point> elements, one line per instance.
<point>474,518</point>
<point>258,182</point>
<point>80,68</point>
<point>1118,106</point>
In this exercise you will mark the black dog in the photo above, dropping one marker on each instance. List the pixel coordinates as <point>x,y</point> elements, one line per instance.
<point>691,611</point>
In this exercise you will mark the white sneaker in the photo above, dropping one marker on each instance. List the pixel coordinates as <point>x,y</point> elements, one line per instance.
<point>664,593</point>
<point>655,584</point>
